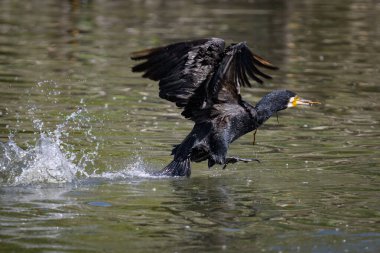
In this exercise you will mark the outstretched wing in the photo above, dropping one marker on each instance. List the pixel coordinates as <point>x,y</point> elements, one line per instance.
<point>181,68</point>
<point>237,67</point>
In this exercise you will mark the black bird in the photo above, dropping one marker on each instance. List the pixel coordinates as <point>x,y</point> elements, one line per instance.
<point>204,78</point>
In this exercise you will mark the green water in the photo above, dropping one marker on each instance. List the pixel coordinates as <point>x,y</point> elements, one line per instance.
<point>70,101</point>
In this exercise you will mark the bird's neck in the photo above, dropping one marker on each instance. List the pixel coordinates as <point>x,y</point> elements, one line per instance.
<point>263,115</point>
<point>265,109</point>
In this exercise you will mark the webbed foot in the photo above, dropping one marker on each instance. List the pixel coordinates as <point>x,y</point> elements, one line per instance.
<point>237,159</point>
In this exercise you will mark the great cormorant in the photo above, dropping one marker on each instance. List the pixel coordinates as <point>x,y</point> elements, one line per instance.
<point>204,78</point>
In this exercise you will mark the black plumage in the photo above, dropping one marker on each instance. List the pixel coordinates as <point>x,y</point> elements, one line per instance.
<point>204,78</point>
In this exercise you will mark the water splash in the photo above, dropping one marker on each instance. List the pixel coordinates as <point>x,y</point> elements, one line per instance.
<point>49,160</point>
<point>45,162</point>
<point>137,169</point>
<point>53,160</point>
<point>62,153</point>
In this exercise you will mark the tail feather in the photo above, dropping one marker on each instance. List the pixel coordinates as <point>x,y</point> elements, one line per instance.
<point>177,169</point>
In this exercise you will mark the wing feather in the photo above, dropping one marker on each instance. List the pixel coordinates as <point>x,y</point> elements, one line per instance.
<point>181,68</point>
<point>236,68</point>
<point>198,74</point>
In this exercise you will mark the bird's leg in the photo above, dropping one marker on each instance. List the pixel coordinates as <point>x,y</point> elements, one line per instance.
<point>238,159</point>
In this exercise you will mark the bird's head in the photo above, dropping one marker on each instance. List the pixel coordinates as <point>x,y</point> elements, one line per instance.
<point>278,100</point>
<point>295,100</point>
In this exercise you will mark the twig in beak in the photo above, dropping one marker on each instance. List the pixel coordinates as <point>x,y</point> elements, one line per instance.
<point>254,137</point>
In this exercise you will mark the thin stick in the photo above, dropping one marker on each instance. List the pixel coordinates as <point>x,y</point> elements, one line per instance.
<point>254,137</point>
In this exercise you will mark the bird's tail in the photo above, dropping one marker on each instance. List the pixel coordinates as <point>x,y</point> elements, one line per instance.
<point>177,168</point>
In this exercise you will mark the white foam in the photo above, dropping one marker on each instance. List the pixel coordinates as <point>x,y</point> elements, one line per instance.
<point>48,165</point>
<point>54,160</point>
<point>49,160</point>
<point>43,163</point>
<point>137,169</point>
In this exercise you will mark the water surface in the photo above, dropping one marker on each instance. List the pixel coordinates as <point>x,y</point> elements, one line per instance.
<point>80,133</point>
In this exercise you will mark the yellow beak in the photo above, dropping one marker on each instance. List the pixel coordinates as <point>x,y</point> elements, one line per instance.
<point>294,101</point>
